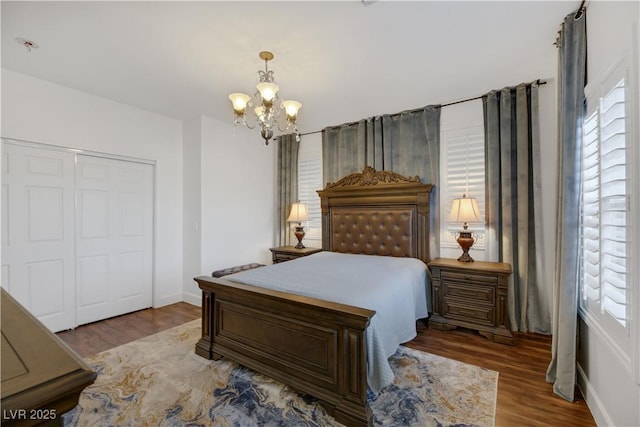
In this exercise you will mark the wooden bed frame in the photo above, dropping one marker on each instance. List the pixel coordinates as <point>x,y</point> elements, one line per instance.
<point>314,346</point>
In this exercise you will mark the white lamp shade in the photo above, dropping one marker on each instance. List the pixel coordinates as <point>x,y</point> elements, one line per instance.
<point>239,101</point>
<point>465,209</point>
<point>267,91</point>
<point>291,107</point>
<point>298,213</point>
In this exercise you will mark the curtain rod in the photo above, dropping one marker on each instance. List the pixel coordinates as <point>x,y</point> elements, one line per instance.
<point>538,82</point>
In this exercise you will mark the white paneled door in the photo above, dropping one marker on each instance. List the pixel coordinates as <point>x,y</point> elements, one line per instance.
<point>114,240</point>
<point>77,234</point>
<point>37,232</point>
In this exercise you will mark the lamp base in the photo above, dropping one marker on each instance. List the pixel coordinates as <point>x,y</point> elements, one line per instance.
<point>465,240</point>
<point>299,233</point>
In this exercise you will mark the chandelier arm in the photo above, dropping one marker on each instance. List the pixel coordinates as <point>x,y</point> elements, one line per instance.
<point>287,127</point>
<point>242,120</point>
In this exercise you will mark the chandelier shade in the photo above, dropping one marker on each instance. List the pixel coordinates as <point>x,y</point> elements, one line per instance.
<point>239,101</point>
<point>267,91</point>
<point>291,108</point>
<point>266,105</point>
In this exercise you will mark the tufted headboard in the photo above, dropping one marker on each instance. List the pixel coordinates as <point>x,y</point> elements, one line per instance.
<point>376,213</point>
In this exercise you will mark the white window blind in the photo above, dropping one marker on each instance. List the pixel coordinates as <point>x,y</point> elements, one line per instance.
<point>605,204</point>
<point>590,208</point>
<point>464,174</point>
<point>310,181</point>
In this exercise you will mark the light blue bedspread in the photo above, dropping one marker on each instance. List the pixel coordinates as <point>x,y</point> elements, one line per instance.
<point>394,287</point>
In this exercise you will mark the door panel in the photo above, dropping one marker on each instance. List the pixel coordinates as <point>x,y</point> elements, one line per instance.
<point>114,240</point>
<point>133,274</point>
<point>93,282</point>
<point>45,278</point>
<point>38,232</point>
<point>93,214</point>
<point>45,214</point>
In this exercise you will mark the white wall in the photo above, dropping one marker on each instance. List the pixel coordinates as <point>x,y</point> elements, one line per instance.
<point>237,199</point>
<point>608,378</point>
<point>192,209</point>
<point>38,111</point>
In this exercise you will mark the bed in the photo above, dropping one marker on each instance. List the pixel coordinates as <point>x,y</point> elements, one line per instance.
<point>316,346</point>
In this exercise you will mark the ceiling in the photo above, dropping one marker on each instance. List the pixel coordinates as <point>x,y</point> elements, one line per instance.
<point>344,60</point>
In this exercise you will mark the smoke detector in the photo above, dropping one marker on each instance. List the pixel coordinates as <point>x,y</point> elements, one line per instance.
<point>28,44</point>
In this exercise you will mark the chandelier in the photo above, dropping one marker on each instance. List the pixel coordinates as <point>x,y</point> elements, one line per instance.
<point>267,106</point>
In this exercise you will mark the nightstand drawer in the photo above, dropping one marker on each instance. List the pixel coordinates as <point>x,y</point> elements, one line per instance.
<point>460,310</point>
<point>284,257</point>
<point>287,253</point>
<point>470,291</point>
<point>469,277</point>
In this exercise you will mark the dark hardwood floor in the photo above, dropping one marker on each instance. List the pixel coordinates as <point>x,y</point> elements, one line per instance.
<point>524,397</point>
<point>100,336</point>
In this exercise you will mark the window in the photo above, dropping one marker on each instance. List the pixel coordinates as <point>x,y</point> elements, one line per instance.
<point>309,181</point>
<point>605,216</point>
<point>463,173</point>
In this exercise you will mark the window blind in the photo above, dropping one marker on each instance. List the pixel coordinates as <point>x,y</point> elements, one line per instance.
<point>590,211</point>
<point>464,174</point>
<point>613,199</point>
<point>309,181</point>
<point>605,219</point>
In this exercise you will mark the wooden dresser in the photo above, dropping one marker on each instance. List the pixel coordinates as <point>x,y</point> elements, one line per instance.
<point>471,295</point>
<point>287,253</point>
<point>42,378</point>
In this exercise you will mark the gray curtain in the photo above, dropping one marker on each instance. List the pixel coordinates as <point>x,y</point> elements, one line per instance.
<point>513,200</point>
<point>407,143</point>
<point>572,53</point>
<point>410,145</point>
<point>286,186</point>
<point>346,149</point>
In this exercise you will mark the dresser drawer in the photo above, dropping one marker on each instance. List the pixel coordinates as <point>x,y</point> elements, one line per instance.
<point>460,310</point>
<point>464,276</point>
<point>470,291</point>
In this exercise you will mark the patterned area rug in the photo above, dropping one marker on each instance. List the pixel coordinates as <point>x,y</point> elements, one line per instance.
<point>160,381</point>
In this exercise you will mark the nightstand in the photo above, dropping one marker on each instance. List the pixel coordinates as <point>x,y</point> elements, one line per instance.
<point>471,295</point>
<point>287,253</point>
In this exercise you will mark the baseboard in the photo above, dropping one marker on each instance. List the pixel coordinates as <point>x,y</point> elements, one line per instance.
<point>195,299</point>
<point>166,300</point>
<point>598,411</point>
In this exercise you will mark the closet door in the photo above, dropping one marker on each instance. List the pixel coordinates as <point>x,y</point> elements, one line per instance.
<point>38,232</point>
<point>114,237</point>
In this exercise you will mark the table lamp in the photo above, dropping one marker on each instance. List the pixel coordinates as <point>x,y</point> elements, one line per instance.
<point>465,209</point>
<point>298,214</point>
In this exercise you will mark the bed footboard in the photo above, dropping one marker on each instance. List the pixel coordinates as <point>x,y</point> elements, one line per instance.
<point>314,346</point>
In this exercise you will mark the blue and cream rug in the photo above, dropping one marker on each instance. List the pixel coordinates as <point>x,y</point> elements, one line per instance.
<point>160,381</point>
